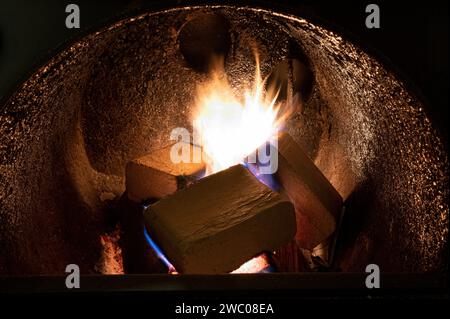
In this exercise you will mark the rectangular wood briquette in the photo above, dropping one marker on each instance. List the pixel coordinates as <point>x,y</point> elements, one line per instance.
<point>155,175</point>
<point>220,222</point>
<point>317,203</point>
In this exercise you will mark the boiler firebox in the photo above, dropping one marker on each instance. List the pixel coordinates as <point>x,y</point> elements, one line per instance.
<point>115,95</point>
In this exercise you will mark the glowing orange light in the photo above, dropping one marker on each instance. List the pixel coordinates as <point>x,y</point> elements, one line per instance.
<point>252,266</point>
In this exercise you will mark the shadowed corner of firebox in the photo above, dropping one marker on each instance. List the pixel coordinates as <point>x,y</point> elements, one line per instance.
<point>1,56</point>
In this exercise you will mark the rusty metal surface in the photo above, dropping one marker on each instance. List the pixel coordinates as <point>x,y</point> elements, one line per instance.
<point>67,132</point>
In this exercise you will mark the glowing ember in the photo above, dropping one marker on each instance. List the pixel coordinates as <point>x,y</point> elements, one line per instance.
<point>254,265</point>
<point>230,128</point>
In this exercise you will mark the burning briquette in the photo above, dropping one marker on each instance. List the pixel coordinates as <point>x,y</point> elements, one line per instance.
<point>317,204</point>
<point>220,222</point>
<point>155,175</point>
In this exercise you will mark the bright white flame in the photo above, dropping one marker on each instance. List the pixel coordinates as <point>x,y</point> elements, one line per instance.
<point>230,128</point>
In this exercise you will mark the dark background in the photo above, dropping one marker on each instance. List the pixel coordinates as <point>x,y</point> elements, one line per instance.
<point>413,35</point>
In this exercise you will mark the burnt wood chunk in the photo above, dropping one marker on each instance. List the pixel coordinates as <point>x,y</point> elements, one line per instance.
<point>317,204</point>
<point>138,257</point>
<point>289,258</point>
<point>156,176</point>
<point>220,222</point>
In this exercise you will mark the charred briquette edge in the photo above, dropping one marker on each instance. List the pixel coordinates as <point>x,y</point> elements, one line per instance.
<point>289,258</point>
<point>155,175</point>
<point>317,204</point>
<point>220,222</point>
<point>138,257</point>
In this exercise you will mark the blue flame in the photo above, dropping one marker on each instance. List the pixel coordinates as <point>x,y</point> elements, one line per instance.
<point>158,251</point>
<point>267,179</point>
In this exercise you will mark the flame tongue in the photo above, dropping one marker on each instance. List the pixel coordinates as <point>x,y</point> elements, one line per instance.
<point>229,129</point>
